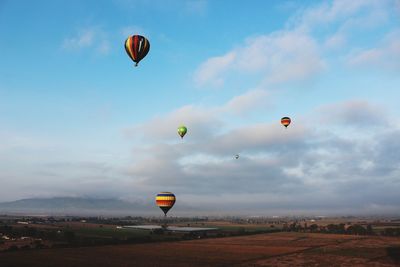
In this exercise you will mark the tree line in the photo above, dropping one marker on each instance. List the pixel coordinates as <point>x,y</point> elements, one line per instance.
<point>341,228</point>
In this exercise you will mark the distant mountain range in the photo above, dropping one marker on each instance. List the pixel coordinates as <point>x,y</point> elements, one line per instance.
<point>77,206</point>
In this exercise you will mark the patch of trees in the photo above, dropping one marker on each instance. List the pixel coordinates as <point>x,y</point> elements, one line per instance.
<point>355,229</point>
<point>391,232</point>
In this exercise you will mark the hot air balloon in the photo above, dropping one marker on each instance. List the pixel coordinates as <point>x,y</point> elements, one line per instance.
<point>182,130</point>
<point>137,47</point>
<point>285,121</point>
<point>165,200</point>
<point>236,156</point>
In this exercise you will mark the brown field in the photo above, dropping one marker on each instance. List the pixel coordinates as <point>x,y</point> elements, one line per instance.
<point>278,249</point>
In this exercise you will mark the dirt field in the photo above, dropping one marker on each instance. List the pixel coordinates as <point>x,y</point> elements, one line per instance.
<point>279,249</point>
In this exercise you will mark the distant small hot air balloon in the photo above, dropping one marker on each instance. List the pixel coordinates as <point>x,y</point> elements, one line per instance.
<point>285,121</point>
<point>182,130</point>
<point>165,200</point>
<point>137,47</point>
<point>236,156</point>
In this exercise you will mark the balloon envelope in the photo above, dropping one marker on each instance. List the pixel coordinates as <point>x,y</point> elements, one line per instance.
<point>182,130</point>
<point>285,121</point>
<point>137,47</point>
<point>236,156</point>
<point>165,200</point>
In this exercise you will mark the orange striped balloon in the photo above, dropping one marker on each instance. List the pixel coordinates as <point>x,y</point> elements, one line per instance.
<point>165,200</point>
<point>285,121</point>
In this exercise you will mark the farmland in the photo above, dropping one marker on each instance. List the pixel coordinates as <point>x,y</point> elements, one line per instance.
<point>275,249</point>
<point>263,241</point>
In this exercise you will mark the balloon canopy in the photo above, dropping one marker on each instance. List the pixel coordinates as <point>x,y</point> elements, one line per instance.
<point>182,130</point>
<point>285,121</point>
<point>165,200</point>
<point>137,47</point>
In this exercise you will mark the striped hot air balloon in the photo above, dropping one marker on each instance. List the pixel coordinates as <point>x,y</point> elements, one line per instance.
<point>285,121</point>
<point>165,200</point>
<point>137,47</point>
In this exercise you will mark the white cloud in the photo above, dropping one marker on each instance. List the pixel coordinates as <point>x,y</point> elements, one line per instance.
<point>85,38</point>
<point>279,57</point>
<point>131,30</point>
<point>92,37</point>
<point>309,169</point>
<point>338,10</point>
<point>210,71</point>
<point>366,56</point>
<point>246,102</point>
<point>197,119</point>
<point>385,55</point>
<point>297,168</point>
<point>273,50</point>
<point>354,113</point>
<point>363,17</point>
<point>104,47</point>
<point>335,41</point>
<point>296,52</point>
<point>201,121</point>
<point>283,56</point>
<point>296,171</point>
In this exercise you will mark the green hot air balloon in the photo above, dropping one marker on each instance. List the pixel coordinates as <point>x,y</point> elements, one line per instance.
<point>182,130</point>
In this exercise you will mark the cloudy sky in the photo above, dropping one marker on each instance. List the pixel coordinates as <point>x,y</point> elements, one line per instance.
<point>77,119</point>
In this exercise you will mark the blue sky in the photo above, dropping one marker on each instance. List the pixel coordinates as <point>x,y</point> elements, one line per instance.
<point>77,119</point>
